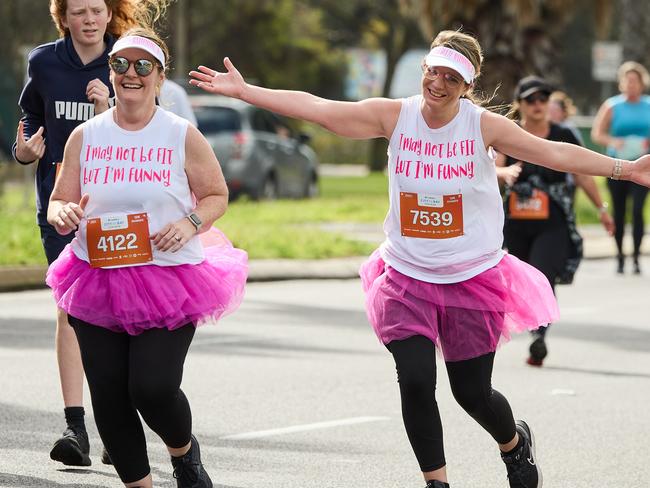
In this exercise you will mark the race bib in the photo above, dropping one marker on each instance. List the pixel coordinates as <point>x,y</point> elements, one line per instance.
<point>533,208</point>
<point>118,240</point>
<point>57,170</point>
<point>431,216</point>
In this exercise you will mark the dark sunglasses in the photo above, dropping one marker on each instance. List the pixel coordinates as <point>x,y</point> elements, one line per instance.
<point>143,67</point>
<point>537,97</point>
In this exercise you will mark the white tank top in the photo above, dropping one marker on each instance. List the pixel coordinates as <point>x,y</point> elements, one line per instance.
<point>446,167</point>
<point>137,171</point>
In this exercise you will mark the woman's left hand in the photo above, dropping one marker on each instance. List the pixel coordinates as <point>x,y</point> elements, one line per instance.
<point>174,236</point>
<point>607,222</point>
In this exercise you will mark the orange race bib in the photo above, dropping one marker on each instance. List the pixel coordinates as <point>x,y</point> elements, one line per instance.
<point>118,240</point>
<point>431,216</point>
<point>534,208</point>
<point>57,170</point>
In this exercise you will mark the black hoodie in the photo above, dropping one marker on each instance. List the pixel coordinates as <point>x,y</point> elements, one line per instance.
<point>55,98</point>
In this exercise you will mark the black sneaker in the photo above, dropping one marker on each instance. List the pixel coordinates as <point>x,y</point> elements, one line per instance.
<point>436,484</point>
<point>106,457</point>
<point>188,470</point>
<point>523,470</point>
<point>537,351</point>
<point>72,448</point>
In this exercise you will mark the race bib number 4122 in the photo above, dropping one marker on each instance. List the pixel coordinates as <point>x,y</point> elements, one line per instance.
<point>118,240</point>
<point>431,216</point>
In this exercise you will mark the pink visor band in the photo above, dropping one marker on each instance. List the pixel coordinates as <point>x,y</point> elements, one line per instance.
<point>450,58</point>
<point>139,42</point>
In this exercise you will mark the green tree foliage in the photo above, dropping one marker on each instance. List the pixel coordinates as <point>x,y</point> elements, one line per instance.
<point>278,43</point>
<point>519,37</point>
<point>375,24</point>
<point>25,24</point>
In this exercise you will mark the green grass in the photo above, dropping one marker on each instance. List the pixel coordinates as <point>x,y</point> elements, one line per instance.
<point>278,229</point>
<point>21,241</point>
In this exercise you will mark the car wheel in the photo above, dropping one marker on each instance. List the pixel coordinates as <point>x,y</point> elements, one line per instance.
<point>311,188</point>
<point>269,189</point>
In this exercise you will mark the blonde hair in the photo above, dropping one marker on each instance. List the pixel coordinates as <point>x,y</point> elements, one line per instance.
<point>634,67</point>
<point>564,101</point>
<point>469,47</point>
<point>125,14</point>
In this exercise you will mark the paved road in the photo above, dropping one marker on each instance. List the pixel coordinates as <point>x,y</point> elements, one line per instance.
<point>293,391</point>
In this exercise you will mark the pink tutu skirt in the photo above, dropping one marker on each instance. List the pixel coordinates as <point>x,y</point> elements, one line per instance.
<point>137,298</point>
<point>465,320</point>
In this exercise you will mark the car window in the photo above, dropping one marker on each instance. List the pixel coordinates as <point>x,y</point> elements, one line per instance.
<point>213,120</point>
<point>262,121</point>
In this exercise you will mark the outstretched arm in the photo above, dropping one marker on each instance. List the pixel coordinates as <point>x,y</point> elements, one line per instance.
<point>374,117</point>
<point>507,137</point>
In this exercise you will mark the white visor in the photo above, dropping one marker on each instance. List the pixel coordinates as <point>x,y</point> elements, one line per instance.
<point>450,58</point>
<point>139,42</point>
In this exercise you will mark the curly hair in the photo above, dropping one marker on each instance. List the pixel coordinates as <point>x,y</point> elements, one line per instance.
<point>126,14</point>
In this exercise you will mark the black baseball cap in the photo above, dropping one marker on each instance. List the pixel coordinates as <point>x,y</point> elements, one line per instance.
<point>531,84</point>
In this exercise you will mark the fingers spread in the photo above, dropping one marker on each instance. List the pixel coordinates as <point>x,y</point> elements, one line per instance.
<point>206,70</point>
<point>201,76</point>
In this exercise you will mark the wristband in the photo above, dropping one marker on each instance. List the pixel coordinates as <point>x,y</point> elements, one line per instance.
<point>617,170</point>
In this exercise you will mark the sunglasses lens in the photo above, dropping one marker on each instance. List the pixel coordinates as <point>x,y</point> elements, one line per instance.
<point>538,97</point>
<point>120,65</point>
<point>143,67</point>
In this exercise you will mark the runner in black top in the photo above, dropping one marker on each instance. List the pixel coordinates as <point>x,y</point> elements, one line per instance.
<point>540,226</point>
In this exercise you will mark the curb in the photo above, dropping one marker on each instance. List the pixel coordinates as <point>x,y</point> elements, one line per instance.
<point>16,278</point>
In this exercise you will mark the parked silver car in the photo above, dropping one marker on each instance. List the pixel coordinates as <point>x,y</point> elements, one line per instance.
<point>260,154</point>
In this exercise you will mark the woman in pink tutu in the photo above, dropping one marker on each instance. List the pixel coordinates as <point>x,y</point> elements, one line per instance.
<point>138,184</point>
<point>440,278</point>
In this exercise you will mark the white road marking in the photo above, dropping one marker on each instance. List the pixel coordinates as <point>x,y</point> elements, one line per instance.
<point>303,428</point>
<point>563,392</point>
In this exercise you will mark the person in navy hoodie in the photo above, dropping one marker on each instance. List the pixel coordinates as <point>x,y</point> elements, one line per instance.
<point>68,83</point>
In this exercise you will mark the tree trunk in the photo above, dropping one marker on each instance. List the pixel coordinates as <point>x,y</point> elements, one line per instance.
<point>635,25</point>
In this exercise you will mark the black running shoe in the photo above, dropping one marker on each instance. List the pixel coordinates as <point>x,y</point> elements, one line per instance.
<point>537,351</point>
<point>523,470</point>
<point>106,457</point>
<point>436,484</point>
<point>188,469</point>
<point>72,448</point>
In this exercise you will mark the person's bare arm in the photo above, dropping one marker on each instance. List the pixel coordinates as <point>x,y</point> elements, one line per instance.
<point>66,206</point>
<point>600,129</point>
<point>507,137</point>
<point>366,119</point>
<point>208,186</point>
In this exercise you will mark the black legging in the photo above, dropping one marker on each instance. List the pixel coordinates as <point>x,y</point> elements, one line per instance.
<point>471,384</point>
<point>620,191</point>
<point>130,374</point>
<point>542,244</point>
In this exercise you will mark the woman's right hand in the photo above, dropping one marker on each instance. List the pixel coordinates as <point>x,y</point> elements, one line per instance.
<point>31,149</point>
<point>230,84</point>
<point>69,216</point>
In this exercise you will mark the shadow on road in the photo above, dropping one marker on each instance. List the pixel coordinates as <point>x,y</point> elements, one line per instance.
<point>22,481</point>
<point>598,372</point>
<point>620,337</point>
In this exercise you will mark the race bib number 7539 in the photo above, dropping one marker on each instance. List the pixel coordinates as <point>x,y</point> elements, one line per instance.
<point>431,216</point>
